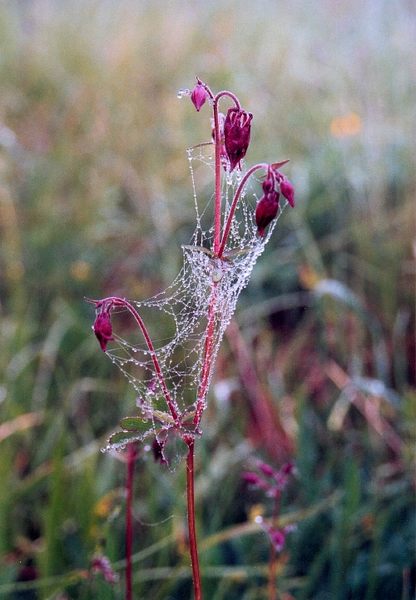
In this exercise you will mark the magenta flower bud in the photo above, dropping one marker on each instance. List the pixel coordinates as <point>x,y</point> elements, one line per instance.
<point>102,327</point>
<point>237,127</point>
<point>252,478</point>
<point>266,469</point>
<point>101,564</point>
<point>288,468</point>
<point>288,191</point>
<point>277,538</point>
<point>199,96</point>
<point>266,210</point>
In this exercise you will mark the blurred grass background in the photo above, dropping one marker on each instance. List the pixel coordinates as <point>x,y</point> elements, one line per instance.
<point>319,365</point>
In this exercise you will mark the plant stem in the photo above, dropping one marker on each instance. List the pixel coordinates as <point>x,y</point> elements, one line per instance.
<point>217,202</point>
<point>190,497</point>
<point>272,587</point>
<point>131,457</point>
<point>237,195</point>
<point>126,304</point>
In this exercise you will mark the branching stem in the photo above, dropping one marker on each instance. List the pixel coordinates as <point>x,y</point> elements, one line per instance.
<point>126,304</point>
<point>236,198</point>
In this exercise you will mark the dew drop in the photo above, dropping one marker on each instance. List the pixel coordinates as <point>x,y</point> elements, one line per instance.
<point>216,275</point>
<point>183,92</point>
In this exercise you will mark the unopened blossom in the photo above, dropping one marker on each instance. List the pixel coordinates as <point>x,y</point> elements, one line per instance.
<point>199,96</point>
<point>288,191</point>
<point>278,536</point>
<point>102,326</point>
<point>101,564</point>
<point>237,128</point>
<point>266,469</point>
<point>251,478</point>
<point>268,207</point>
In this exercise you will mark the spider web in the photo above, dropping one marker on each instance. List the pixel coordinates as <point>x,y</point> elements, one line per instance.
<point>177,317</point>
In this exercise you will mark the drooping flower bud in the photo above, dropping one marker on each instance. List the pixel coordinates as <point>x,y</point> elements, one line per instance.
<point>268,207</point>
<point>288,191</point>
<point>102,326</point>
<point>199,96</point>
<point>266,210</point>
<point>237,127</point>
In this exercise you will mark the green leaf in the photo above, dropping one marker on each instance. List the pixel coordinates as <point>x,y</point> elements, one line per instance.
<point>122,438</point>
<point>137,424</point>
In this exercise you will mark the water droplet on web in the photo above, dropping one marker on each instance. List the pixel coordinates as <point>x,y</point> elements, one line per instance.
<point>217,275</point>
<point>229,176</point>
<point>183,92</point>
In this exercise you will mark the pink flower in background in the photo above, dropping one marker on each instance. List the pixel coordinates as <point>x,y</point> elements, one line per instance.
<point>271,481</point>
<point>101,564</point>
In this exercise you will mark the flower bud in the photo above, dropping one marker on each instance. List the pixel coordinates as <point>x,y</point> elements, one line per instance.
<point>266,469</point>
<point>199,96</point>
<point>101,564</point>
<point>277,538</point>
<point>237,127</point>
<point>102,327</point>
<point>288,191</point>
<point>252,478</point>
<point>266,210</point>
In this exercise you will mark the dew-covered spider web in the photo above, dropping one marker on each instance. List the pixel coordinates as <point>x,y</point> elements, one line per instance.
<point>177,317</point>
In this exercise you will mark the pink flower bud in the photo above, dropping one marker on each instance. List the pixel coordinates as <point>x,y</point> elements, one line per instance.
<point>199,96</point>
<point>277,538</point>
<point>266,469</point>
<point>252,478</point>
<point>237,127</point>
<point>101,564</point>
<point>266,211</point>
<point>288,191</point>
<point>102,327</point>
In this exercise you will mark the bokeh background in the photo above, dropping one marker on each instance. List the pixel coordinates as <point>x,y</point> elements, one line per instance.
<point>319,364</point>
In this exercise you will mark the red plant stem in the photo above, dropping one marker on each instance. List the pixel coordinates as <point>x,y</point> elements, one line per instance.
<point>236,198</point>
<point>131,457</point>
<point>217,201</point>
<point>217,141</point>
<point>125,304</point>
<point>207,364</point>
<point>190,497</point>
<point>272,587</point>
